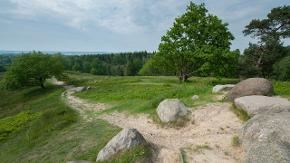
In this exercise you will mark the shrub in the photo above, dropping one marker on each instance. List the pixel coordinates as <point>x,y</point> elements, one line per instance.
<point>282,69</point>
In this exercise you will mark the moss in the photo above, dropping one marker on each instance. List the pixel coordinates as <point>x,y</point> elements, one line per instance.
<point>236,141</point>
<point>241,114</point>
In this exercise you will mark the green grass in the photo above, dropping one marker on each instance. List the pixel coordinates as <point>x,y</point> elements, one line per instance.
<point>142,94</point>
<point>36,126</point>
<point>282,88</point>
<point>139,153</point>
<point>240,113</point>
<point>236,141</point>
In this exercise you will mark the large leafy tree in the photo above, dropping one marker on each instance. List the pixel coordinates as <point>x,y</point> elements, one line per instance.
<point>194,43</point>
<point>33,69</point>
<point>270,33</point>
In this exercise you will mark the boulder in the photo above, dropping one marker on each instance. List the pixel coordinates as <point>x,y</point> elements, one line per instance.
<point>195,97</point>
<point>262,104</point>
<point>127,139</point>
<point>170,110</point>
<point>266,138</point>
<point>252,86</point>
<point>222,88</point>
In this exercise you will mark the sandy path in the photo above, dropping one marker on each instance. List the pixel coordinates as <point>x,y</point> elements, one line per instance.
<point>84,107</point>
<point>206,138</point>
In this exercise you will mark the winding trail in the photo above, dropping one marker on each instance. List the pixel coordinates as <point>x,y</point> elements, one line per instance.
<point>206,138</point>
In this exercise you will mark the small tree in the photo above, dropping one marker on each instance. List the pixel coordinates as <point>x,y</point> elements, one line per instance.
<point>33,69</point>
<point>195,40</point>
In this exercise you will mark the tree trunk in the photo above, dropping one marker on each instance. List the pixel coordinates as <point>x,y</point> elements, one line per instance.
<point>41,81</point>
<point>182,77</point>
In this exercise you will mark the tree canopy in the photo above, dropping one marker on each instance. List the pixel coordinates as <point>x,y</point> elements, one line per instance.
<point>270,33</point>
<point>194,43</point>
<point>32,69</point>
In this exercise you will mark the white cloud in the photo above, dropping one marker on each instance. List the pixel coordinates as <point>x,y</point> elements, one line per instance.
<point>121,16</point>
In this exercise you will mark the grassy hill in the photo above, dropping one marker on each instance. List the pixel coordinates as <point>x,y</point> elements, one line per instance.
<point>37,126</point>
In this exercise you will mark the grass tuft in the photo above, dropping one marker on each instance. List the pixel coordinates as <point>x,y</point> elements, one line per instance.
<point>236,141</point>
<point>241,114</point>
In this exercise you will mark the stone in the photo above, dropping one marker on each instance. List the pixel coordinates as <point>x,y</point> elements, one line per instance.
<point>266,138</point>
<point>222,88</point>
<point>127,139</point>
<point>195,97</point>
<point>262,104</point>
<point>251,86</point>
<point>170,110</point>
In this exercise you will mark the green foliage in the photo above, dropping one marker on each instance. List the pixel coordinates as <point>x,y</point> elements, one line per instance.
<point>259,58</point>
<point>241,114</point>
<point>32,69</point>
<point>11,124</point>
<point>117,64</point>
<point>282,88</point>
<point>196,40</point>
<point>282,69</point>
<point>43,129</point>
<point>143,94</point>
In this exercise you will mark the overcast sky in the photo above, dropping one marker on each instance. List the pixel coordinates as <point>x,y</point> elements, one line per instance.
<point>111,25</point>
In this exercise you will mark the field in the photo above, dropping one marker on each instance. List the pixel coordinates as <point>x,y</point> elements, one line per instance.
<point>37,126</point>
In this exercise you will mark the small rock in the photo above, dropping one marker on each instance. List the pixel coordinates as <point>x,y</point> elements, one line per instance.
<point>126,139</point>
<point>170,110</point>
<point>222,88</point>
<point>195,97</point>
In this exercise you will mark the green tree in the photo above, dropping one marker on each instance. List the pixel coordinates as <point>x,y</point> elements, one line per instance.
<point>270,33</point>
<point>192,42</point>
<point>33,69</point>
<point>282,69</point>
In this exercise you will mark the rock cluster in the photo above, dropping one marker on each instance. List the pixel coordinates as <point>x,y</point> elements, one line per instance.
<point>266,136</point>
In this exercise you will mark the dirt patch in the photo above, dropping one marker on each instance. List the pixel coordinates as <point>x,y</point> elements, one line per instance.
<point>214,126</point>
<point>84,107</point>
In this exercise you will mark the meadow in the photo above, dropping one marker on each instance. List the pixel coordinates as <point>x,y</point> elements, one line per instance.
<point>37,126</point>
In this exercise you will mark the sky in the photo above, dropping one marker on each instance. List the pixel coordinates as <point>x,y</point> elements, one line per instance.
<point>112,25</point>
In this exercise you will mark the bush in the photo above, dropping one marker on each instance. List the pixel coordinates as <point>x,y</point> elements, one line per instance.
<point>11,124</point>
<point>282,69</point>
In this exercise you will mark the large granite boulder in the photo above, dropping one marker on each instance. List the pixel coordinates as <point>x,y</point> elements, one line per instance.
<point>266,138</point>
<point>222,88</point>
<point>262,104</point>
<point>170,110</point>
<point>127,139</point>
<point>251,86</point>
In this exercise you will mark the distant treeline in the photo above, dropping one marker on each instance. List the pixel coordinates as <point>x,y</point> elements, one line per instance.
<point>121,64</point>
